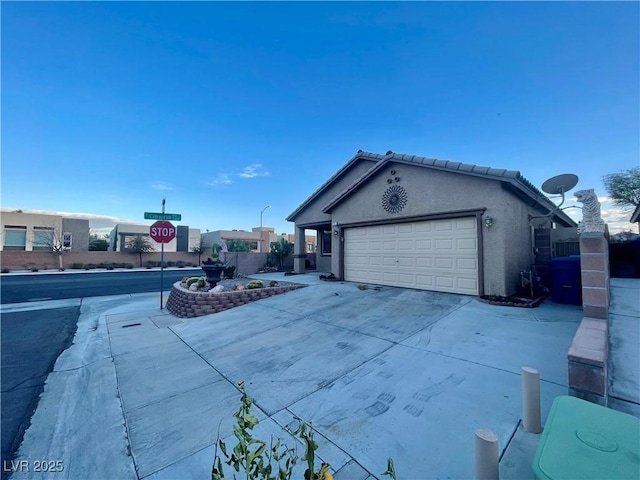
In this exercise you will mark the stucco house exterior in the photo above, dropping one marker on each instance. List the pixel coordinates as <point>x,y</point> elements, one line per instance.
<point>186,238</point>
<point>416,222</point>
<point>28,231</point>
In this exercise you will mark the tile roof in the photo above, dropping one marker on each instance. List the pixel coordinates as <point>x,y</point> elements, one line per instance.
<point>513,178</point>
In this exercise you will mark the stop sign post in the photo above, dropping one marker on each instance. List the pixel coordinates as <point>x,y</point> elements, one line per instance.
<point>162,231</point>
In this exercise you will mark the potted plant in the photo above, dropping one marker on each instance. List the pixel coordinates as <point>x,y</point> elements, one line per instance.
<point>213,266</point>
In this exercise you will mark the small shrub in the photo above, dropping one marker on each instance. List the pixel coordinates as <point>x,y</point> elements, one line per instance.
<point>128,266</point>
<point>149,264</point>
<point>255,284</point>
<point>180,264</point>
<point>34,269</point>
<point>229,272</point>
<point>5,270</point>
<point>90,266</point>
<point>201,282</point>
<point>192,280</point>
<point>109,266</point>
<point>171,264</point>
<point>103,265</point>
<point>77,265</point>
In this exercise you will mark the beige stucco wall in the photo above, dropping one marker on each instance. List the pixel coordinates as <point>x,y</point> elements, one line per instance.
<point>29,220</point>
<point>507,247</point>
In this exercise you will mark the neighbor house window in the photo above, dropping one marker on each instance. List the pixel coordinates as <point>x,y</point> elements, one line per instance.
<point>42,238</point>
<point>326,242</point>
<point>15,237</point>
<point>67,240</point>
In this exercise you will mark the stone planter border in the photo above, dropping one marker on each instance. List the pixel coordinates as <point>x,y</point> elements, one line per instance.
<point>186,304</point>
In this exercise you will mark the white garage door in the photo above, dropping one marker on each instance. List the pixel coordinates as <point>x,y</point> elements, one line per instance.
<point>439,255</point>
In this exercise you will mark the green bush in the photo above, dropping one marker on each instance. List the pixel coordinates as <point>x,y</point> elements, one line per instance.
<point>89,266</point>
<point>201,282</point>
<point>5,270</point>
<point>77,265</point>
<point>255,284</point>
<point>180,264</point>
<point>171,264</point>
<point>192,280</point>
<point>229,272</point>
<point>128,266</point>
<point>150,264</point>
<point>34,269</point>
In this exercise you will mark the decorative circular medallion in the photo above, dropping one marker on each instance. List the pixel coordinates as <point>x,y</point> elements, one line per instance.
<point>394,199</point>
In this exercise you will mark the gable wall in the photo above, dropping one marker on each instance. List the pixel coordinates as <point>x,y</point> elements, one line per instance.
<point>312,214</point>
<point>506,245</point>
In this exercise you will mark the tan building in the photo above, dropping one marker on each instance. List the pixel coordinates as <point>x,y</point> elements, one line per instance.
<point>185,241</point>
<point>45,232</point>
<point>417,222</point>
<point>256,240</point>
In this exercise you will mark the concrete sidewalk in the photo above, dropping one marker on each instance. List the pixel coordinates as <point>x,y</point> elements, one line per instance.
<point>380,372</point>
<point>624,345</point>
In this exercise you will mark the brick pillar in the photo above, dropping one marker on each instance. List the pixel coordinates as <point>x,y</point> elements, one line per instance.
<point>299,254</point>
<point>594,264</point>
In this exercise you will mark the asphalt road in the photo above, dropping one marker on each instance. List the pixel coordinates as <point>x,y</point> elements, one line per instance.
<point>57,286</point>
<point>31,342</point>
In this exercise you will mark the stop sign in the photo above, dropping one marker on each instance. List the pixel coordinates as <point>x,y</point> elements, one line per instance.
<point>162,231</point>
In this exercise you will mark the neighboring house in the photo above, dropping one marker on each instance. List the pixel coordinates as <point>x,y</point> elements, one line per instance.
<point>35,231</point>
<point>253,238</point>
<point>309,241</point>
<point>186,238</point>
<point>416,222</point>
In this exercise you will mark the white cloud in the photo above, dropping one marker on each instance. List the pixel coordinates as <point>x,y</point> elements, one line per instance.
<point>223,179</point>
<point>161,186</point>
<point>253,170</point>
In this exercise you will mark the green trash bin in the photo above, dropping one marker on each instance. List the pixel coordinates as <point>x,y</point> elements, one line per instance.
<point>582,440</point>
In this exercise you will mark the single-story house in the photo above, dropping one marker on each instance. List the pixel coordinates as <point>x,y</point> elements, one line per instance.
<point>416,222</point>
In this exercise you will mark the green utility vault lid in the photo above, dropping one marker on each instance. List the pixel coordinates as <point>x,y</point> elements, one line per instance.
<point>584,441</point>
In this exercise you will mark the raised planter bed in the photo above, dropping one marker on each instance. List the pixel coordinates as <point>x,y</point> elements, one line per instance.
<point>187,304</point>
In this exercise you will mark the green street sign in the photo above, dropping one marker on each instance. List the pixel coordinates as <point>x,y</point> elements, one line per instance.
<point>162,216</point>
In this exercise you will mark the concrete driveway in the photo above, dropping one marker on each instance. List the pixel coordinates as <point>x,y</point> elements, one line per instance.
<point>380,372</point>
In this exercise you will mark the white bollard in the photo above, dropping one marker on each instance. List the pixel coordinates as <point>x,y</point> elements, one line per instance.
<point>531,400</point>
<point>487,457</point>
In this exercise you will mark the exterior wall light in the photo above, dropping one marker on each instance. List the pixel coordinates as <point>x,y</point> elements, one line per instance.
<point>488,222</point>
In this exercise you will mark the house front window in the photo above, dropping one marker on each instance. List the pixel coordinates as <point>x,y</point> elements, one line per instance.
<point>326,242</point>
<point>42,238</point>
<point>67,240</point>
<point>15,237</point>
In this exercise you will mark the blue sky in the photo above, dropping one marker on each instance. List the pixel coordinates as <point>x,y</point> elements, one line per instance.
<point>224,108</point>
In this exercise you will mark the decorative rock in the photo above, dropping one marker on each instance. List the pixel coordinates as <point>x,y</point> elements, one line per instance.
<point>193,287</point>
<point>217,289</point>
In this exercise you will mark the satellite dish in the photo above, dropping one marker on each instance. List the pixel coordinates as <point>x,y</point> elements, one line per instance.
<point>560,183</point>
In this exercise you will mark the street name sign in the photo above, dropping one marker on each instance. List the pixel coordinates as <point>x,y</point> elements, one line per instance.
<point>162,231</point>
<point>162,216</point>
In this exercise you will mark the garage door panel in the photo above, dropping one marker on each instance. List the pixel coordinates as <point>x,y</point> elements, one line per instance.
<point>444,244</point>
<point>423,244</point>
<point>432,255</point>
<point>406,245</point>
